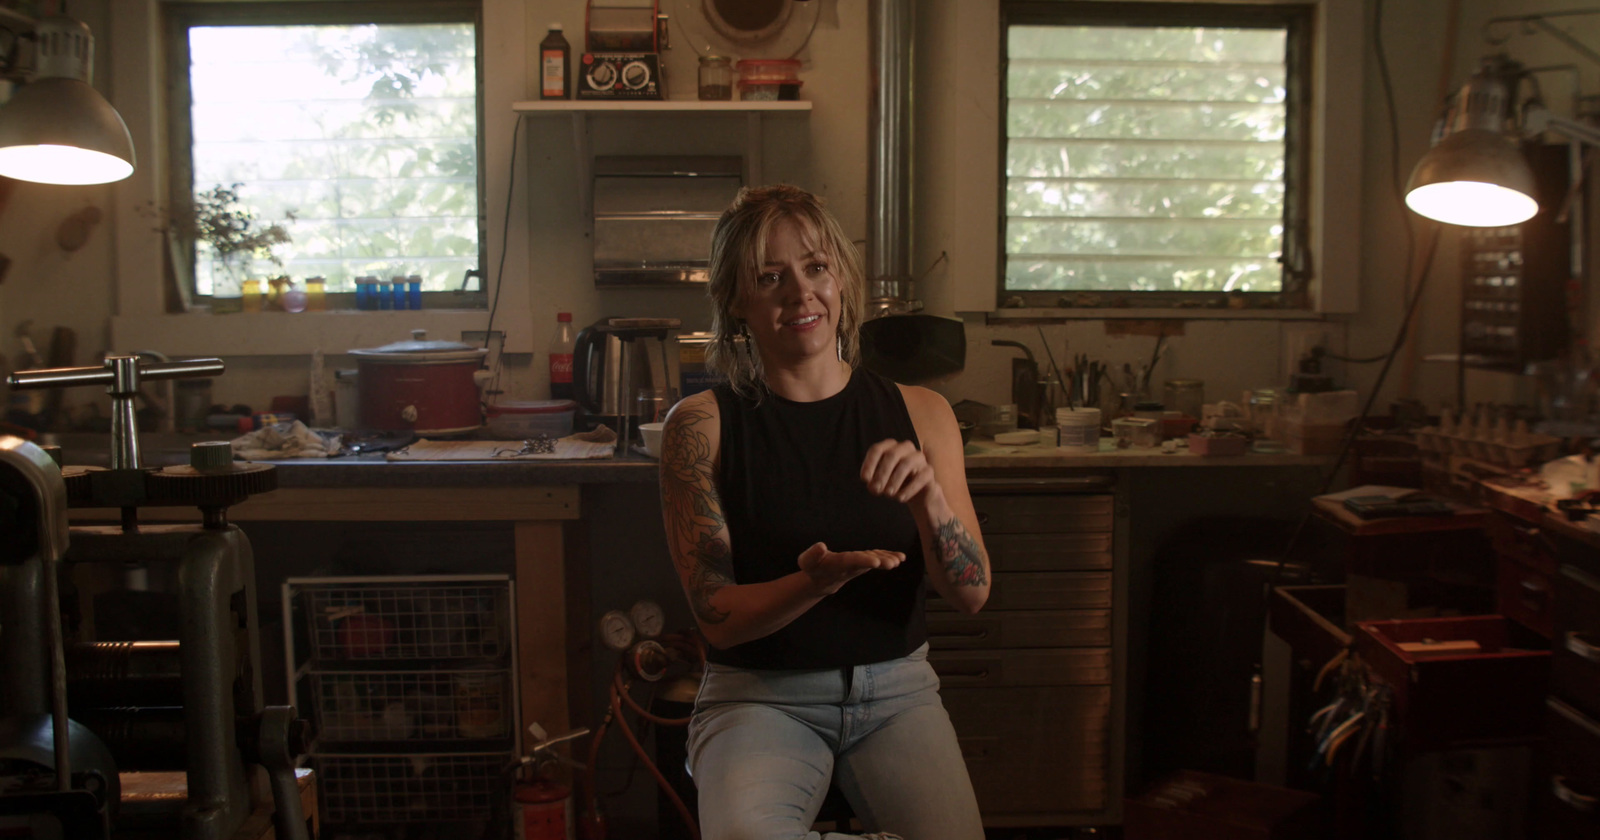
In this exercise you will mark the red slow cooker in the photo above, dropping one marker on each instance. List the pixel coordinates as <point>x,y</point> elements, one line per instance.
<point>422,386</point>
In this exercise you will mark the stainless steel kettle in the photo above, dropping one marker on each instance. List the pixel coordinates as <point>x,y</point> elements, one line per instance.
<point>615,357</point>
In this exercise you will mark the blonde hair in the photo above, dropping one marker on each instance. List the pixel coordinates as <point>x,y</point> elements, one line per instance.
<point>738,250</point>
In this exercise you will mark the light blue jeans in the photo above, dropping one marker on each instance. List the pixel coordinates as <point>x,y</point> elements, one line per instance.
<point>763,746</point>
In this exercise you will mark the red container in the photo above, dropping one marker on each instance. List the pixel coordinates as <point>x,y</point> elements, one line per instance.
<point>768,70</point>
<point>544,811</point>
<point>421,386</point>
<point>1487,697</point>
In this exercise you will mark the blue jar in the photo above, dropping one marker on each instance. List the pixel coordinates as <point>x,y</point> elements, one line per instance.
<point>364,293</point>
<point>414,292</point>
<point>398,291</point>
<point>385,299</point>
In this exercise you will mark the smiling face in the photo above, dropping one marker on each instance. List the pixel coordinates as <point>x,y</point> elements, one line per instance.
<point>791,305</point>
<point>778,257</point>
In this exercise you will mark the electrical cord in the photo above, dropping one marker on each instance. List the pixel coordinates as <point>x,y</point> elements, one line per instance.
<point>1347,442</point>
<point>1394,134</point>
<point>1394,174</point>
<point>505,232</point>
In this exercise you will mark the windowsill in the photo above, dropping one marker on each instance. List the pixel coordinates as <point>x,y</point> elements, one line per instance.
<point>1171,313</point>
<point>297,334</point>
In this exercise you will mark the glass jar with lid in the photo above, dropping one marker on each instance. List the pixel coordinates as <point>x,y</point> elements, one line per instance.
<point>716,77</point>
<point>1185,396</point>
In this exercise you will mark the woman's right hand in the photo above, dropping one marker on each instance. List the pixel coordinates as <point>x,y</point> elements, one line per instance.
<point>829,570</point>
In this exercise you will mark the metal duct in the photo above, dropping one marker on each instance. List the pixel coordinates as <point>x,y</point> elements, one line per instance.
<point>897,340</point>
<point>889,166</point>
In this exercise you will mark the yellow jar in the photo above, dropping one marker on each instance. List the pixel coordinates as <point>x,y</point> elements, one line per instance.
<point>316,294</point>
<point>252,295</point>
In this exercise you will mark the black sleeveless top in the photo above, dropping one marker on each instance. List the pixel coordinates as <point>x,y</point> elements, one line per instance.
<point>791,477</point>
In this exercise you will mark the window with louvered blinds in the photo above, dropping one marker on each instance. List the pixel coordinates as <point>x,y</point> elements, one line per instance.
<point>1148,158</point>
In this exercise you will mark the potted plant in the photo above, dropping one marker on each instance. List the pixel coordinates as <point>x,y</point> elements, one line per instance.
<point>234,237</point>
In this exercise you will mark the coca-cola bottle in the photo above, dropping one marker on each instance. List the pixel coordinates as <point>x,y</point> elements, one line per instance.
<point>561,358</point>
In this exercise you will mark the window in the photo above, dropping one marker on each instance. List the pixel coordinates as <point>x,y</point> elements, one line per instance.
<point>354,125</point>
<point>1154,154</point>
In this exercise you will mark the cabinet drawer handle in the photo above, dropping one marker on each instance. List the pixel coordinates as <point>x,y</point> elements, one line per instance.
<point>1575,800</point>
<point>983,518</point>
<point>1577,644</point>
<point>974,635</point>
<point>1535,595</point>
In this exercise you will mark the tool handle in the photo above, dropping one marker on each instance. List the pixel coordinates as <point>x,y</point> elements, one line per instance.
<point>107,374</point>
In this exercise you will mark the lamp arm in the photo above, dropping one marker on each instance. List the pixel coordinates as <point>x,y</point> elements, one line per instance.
<point>1538,119</point>
<point>1541,21</point>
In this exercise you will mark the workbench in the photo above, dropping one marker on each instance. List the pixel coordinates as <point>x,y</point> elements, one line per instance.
<point>584,537</point>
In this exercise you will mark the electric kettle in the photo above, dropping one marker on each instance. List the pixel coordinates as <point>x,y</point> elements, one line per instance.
<point>614,359</point>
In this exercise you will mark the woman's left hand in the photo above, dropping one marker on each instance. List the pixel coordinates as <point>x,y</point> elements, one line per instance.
<point>898,469</point>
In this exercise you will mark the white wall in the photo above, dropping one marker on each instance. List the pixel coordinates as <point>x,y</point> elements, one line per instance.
<point>826,152</point>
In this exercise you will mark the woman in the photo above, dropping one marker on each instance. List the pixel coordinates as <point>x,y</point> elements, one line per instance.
<point>807,503</point>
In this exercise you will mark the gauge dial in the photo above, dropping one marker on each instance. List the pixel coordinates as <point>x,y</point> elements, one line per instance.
<point>650,660</point>
<point>648,618</point>
<point>616,630</point>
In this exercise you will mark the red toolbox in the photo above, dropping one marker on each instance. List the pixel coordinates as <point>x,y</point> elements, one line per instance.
<point>1457,682</point>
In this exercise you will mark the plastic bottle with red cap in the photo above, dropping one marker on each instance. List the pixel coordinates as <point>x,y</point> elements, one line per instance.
<point>561,348</point>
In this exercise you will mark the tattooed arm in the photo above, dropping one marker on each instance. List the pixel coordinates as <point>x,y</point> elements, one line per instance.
<point>730,613</point>
<point>933,482</point>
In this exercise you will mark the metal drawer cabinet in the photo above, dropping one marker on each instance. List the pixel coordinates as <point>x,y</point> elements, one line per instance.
<point>1037,756</point>
<point>1031,680</point>
<point>1569,790</point>
<point>1575,664</point>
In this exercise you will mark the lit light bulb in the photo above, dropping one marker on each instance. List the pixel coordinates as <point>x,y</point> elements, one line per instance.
<point>1472,203</point>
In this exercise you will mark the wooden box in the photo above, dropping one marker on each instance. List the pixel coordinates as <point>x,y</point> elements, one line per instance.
<point>1449,698</point>
<point>1189,805</point>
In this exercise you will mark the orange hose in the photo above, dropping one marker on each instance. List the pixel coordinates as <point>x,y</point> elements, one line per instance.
<point>666,787</point>
<point>591,805</point>
<point>622,688</point>
<point>685,643</point>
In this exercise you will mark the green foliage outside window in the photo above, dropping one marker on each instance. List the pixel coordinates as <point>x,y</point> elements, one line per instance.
<point>1145,158</point>
<point>366,135</point>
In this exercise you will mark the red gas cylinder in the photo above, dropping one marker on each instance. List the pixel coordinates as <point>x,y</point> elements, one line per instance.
<point>544,811</point>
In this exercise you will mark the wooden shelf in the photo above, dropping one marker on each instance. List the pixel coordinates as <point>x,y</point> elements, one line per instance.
<point>654,106</point>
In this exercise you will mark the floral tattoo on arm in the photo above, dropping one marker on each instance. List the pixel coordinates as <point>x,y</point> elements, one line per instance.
<point>959,553</point>
<point>693,510</point>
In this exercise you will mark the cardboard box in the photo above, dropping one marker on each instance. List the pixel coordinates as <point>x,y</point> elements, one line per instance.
<point>1312,438</point>
<point>1189,805</point>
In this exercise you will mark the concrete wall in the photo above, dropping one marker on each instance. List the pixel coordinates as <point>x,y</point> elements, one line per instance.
<point>548,265</point>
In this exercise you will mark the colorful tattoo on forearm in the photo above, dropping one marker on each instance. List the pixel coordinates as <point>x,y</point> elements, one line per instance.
<point>959,553</point>
<point>693,513</point>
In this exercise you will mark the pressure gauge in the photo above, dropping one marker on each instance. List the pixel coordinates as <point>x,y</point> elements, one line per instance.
<point>616,630</point>
<point>648,618</point>
<point>650,660</point>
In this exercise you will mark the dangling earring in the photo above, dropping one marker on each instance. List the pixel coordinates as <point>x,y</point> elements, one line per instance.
<point>744,336</point>
<point>838,346</point>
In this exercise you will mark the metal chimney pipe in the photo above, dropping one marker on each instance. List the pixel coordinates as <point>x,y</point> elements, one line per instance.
<point>889,161</point>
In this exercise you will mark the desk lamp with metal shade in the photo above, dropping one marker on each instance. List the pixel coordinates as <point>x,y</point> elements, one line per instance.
<point>1476,174</point>
<point>56,128</point>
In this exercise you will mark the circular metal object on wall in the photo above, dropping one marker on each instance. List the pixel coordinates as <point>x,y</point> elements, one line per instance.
<point>746,28</point>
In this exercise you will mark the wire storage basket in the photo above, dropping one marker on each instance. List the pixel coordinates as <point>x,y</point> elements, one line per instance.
<point>407,621</point>
<point>411,682</point>
<point>437,787</point>
<point>363,706</point>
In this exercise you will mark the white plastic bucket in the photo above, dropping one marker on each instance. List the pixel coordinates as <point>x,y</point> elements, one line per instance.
<point>1080,429</point>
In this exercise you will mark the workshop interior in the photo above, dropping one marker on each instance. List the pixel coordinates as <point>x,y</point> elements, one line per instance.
<point>340,340</point>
